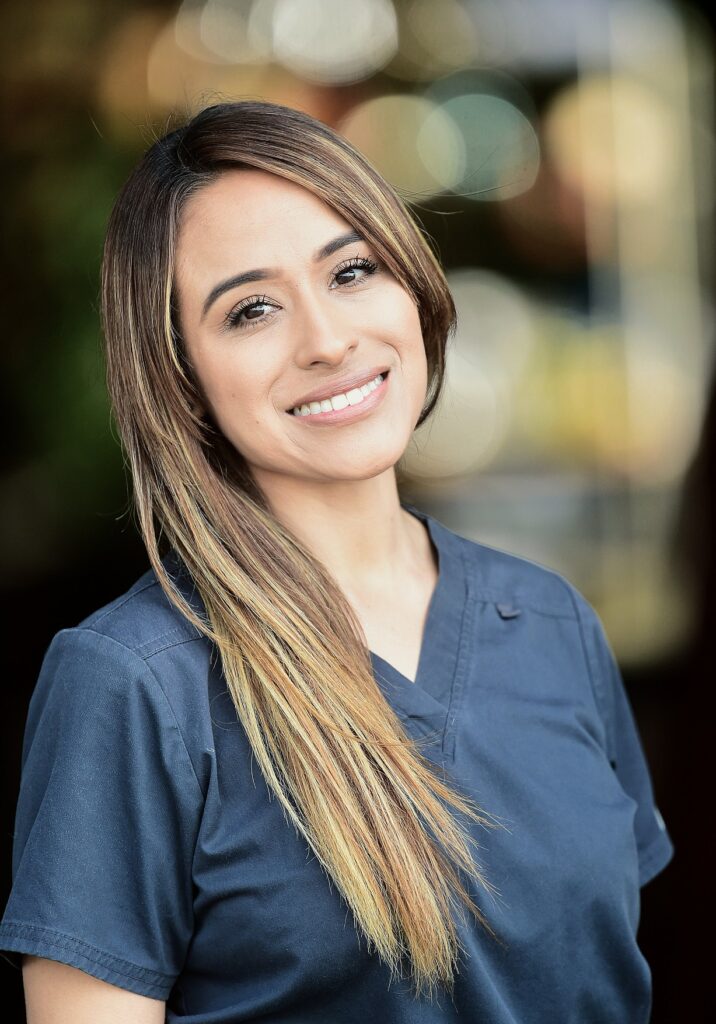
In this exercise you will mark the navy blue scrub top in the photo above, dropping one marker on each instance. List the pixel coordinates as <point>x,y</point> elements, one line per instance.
<point>147,851</point>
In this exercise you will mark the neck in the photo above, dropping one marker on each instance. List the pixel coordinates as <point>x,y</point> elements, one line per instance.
<point>357,529</point>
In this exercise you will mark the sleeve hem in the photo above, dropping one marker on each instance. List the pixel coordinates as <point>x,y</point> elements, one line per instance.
<point>655,858</point>
<point>17,937</point>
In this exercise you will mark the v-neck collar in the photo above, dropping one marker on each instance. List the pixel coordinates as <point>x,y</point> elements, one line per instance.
<point>429,705</point>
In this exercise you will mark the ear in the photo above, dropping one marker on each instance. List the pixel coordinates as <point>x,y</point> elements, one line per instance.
<point>198,409</point>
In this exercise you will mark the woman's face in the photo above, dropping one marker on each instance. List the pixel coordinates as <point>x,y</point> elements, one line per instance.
<point>277,306</point>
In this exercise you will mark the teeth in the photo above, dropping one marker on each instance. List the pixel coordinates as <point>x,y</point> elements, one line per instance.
<point>353,397</point>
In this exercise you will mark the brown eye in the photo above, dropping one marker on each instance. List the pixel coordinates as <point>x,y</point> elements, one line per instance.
<point>349,269</point>
<point>247,312</point>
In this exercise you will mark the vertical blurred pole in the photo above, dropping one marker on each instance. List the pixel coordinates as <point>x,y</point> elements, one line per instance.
<point>641,215</point>
<point>652,276</point>
<point>660,274</point>
<point>591,42</point>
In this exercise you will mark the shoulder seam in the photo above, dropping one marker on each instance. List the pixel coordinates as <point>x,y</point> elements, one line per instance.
<point>120,602</point>
<point>493,594</point>
<point>171,638</point>
<point>148,668</point>
<point>162,641</point>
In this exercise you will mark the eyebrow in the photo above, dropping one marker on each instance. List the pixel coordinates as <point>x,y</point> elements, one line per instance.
<point>265,272</point>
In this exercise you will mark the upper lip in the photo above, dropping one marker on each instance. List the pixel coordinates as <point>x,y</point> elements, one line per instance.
<point>339,386</point>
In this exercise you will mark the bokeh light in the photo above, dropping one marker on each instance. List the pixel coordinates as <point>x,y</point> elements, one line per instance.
<point>228,31</point>
<point>501,144</point>
<point>334,43</point>
<point>486,358</point>
<point>609,134</point>
<point>435,39</point>
<point>411,141</point>
<point>561,156</point>
<point>558,157</point>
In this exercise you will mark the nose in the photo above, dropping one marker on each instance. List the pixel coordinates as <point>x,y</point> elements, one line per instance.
<point>322,334</point>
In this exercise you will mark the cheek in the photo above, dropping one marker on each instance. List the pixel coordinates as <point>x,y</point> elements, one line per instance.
<point>230,380</point>
<point>414,357</point>
<point>411,344</point>
<point>236,398</point>
<point>396,317</point>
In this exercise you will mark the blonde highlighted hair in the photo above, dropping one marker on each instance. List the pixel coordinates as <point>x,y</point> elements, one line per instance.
<point>369,804</point>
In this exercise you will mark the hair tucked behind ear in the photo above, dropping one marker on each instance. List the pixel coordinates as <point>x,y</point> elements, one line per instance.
<point>368,803</point>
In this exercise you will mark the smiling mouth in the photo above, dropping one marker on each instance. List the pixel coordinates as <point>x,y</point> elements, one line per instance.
<point>354,396</point>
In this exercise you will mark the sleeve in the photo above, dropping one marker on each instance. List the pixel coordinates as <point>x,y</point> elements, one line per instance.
<point>623,744</point>
<point>106,821</point>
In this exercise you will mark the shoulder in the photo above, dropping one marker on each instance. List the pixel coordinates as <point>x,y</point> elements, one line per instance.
<point>529,593</point>
<point>143,620</point>
<point>136,659</point>
<point>502,577</point>
<point>137,647</point>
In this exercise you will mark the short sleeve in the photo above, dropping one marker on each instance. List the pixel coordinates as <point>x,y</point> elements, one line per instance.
<point>106,821</point>
<point>623,744</point>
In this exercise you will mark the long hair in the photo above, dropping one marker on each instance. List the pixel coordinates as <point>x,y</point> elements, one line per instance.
<point>357,788</point>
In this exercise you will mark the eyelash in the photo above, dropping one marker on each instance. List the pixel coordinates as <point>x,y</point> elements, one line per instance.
<point>232,321</point>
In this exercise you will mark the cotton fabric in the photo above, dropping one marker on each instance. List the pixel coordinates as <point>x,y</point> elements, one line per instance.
<point>149,853</point>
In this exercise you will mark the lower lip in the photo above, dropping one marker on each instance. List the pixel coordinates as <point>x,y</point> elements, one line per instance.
<point>350,413</point>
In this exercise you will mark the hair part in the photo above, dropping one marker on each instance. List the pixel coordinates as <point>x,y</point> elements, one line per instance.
<point>358,789</point>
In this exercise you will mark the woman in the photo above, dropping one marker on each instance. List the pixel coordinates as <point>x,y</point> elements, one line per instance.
<point>452,815</point>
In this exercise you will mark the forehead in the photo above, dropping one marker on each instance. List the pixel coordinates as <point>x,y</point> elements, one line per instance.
<point>248,214</point>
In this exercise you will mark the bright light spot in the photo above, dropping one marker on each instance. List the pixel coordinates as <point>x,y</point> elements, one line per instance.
<point>225,30</point>
<point>595,398</point>
<point>464,433</point>
<point>410,140</point>
<point>177,79</point>
<point>330,42</point>
<point>486,358</point>
<point>662,430</point>
<point>496,327</point>
<point>187,30</point>
<point>502,149</point>
<point>221,31</point>
<point>615,140</point>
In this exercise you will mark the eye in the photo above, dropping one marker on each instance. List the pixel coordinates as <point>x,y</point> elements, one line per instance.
<point>350,267</point>
<point>251,311</point>
<point>252,307</point>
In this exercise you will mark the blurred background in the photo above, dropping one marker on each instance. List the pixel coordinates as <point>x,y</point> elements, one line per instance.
<point>560,157</point>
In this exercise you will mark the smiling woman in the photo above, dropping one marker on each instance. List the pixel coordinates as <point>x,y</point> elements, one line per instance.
<point>388,677</point>
<point>332,319</point>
